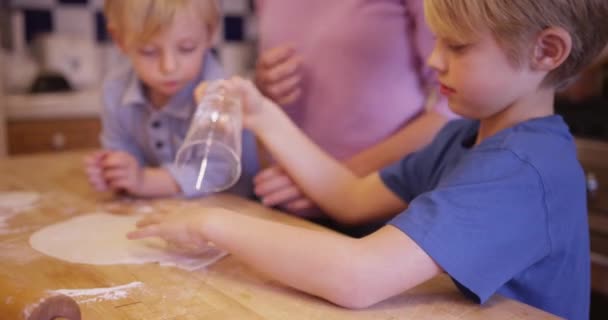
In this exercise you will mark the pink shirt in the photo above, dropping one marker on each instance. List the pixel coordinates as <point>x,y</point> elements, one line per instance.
<point>364,74</point>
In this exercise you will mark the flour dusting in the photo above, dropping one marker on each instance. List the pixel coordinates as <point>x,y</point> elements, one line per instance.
<point>15,252</point>
<point>14,203</point>
<point>99,294</point>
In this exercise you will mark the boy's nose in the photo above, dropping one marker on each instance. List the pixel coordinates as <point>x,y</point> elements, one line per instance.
<point>168,63</point>
<point>436,60</point>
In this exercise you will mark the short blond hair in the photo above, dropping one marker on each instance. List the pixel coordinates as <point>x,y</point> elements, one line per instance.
<point>137,21</point>
<point>513,23</point>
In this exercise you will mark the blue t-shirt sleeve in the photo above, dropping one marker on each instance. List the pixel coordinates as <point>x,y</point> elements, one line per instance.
<point>406,178</point>
<point>484,223</point>
<point>415,174</point>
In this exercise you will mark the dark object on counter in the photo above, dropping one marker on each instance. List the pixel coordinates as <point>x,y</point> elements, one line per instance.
<point>50,82</point>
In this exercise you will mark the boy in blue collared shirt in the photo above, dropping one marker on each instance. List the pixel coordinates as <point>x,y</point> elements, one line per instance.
<point>497,201</point>
<point>148,101</point>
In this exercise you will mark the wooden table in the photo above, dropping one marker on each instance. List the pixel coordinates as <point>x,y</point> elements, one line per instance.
<point>226,290</point>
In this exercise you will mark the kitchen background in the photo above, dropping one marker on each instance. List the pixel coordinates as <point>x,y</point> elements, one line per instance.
<point>45,41</point>
<point>53,57</point>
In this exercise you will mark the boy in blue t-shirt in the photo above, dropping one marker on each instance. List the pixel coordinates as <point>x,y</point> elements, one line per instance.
<point>148,101</point>
<point>497,202</point>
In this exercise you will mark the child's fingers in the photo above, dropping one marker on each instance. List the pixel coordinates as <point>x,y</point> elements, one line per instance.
<point>99,185</point>
<point>150,219</point>
<point>299,205</point>
<point>102,187</point>
<point>199,91</point>
<point>94,158</point>
<point>241,86</point>
<point>267,173</point>
<point>151,231</point>
<point>114,174</point>
<point>96,178</point>
<point>273,185</point>
<point>113,160</point>
<point>93,171</point>
<point>281,196</point>
<point>120,183</point>
<point>94,175</point>
<point>276,55</point>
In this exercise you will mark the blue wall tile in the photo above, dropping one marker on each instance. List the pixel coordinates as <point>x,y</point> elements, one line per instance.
<point>233,28</point>
<point>101,33</point>
<point>74,1</point>
<point>36,22</point>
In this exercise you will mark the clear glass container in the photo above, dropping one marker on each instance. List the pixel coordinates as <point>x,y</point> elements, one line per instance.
<point>210,156</point>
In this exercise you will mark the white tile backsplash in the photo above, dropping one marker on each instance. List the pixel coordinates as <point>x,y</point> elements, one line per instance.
<point>35,3</point>
<point>251,28</point>
<point>80,20</point>
<point>240,7</point>
<point>75,22</point>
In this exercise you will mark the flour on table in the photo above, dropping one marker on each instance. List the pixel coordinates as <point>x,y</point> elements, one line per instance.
<point>100,239</point>
<point>13,203</point>
<point>18,200</point>
<point>99,294</point>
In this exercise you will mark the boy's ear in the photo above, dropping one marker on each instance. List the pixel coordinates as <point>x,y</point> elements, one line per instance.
<point>552,47</point>
<point>117,39</point>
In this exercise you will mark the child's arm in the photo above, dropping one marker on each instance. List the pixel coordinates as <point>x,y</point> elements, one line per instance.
<point>157,182</point>
<point>416,134</point>
<point>353,273</point>
<point>274,187</point>
<point>122,172</point>
<point>339,192</point>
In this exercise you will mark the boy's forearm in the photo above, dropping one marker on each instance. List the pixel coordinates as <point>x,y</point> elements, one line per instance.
<point>157,182</point>
<point>322,178</point>
<point>353,273</point>
<point>316,262</point>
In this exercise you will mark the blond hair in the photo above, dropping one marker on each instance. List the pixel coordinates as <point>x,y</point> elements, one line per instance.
<point>137,21</point>
<point>514,23</point>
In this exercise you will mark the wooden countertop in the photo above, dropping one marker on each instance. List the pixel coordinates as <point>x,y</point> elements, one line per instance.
<point>226,290</point>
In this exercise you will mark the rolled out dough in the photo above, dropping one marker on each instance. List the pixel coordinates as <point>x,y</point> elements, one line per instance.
<point>100,239</point>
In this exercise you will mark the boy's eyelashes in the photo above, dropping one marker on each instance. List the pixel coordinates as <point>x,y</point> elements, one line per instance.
<point>457,47</point>
<point>147,51</point>
<point>187,49</point>
<point>153,51</point>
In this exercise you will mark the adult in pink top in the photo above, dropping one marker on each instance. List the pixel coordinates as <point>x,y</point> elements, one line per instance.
<point>352,75</point>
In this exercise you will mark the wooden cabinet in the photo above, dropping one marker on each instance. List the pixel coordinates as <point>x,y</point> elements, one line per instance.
<point>48,135</point>
<point>593,155</point>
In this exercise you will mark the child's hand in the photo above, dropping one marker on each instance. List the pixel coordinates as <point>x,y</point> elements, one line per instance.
<point>276,188</point>
<point>257,109</point>
<point>121,172</point>
<point>94,170</point>
<point>277,74</point>
<point>182,231</point>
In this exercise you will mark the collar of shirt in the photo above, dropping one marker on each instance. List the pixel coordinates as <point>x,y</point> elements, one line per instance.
<point>134,94</point>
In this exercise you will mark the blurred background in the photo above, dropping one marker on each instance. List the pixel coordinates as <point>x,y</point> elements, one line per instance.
<point>53,54</point>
